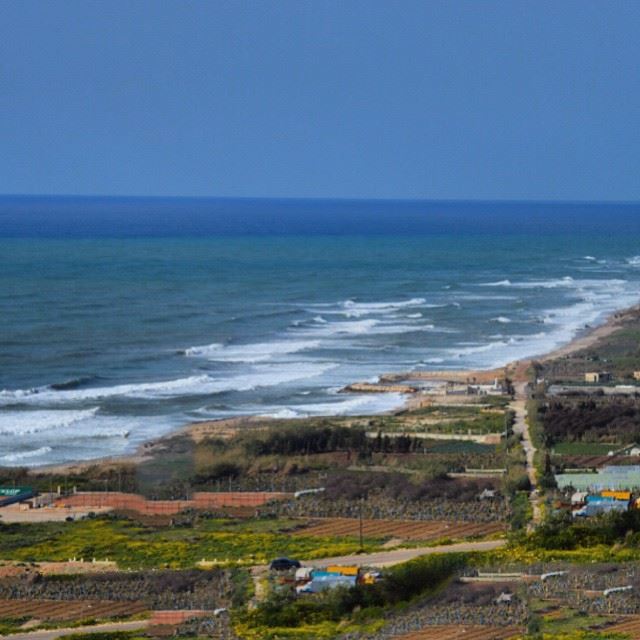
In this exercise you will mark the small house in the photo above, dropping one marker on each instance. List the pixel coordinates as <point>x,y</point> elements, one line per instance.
<point>504,598</point>
<point>594,377</point>
<point>579,498</point>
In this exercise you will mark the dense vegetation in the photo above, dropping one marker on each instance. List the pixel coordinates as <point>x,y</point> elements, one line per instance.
<point>563,532</point>
<point>593,419</point>
<point>399,585</point>
<point>356,485</point>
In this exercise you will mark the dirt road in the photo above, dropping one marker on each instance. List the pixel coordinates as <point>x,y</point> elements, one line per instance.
<point>388,558</point>
<point>52,634</point>
<point>521,428</point>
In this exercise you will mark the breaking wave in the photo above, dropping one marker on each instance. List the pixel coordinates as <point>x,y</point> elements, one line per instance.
<point>27,422</point>
<point>249,353</point>
<point>25,455</point>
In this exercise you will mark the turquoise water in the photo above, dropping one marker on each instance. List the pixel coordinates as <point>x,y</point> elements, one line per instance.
<point>106,343</point>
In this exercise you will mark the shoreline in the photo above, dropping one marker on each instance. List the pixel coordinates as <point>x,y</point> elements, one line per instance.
<point>226,427</point>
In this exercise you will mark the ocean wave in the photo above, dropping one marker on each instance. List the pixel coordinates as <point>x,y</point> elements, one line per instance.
<point>73,383</point>
<point>366,327</point>
<point>283,414</point>
<point>261,376</point>
<point>250,353</point>
<point>634,261</point>
<point>350,406</point>
<point>502,319</point>
<point>354,309</point>
<point>383,306</point>
<point>23,455</point>
<point>564,282</point>
<point>563,323</point>
<point>17,423</point>
<point>181,386</point>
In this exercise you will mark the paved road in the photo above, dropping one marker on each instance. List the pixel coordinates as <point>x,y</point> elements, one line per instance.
<point>521,428</point>
<point>388,558</point>
<point>51,634</point>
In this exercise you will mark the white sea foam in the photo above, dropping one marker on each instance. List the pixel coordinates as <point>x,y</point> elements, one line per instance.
<point>502,319</point>
<point>259,376</point>
<point>634,261</point>
<point>555,283</point>
<point>368,327</point>
<point>283,414</point>
<point>352,405</point>
<point>23,455</point>
<point>353,309</point>
<point>43,395</point>
<point>381,307</point>
<point>27,422</point>
<point>597,299</point>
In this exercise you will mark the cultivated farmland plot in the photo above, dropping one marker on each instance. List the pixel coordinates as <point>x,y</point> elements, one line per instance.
<point>456,632</point>
<point>68,610</point>
<point>629,625</point>
<point>404,529</point>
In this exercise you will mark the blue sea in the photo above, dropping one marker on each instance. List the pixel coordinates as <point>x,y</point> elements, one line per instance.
<point>123,321</point>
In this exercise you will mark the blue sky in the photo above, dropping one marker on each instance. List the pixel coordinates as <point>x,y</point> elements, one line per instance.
<point>437,100</point>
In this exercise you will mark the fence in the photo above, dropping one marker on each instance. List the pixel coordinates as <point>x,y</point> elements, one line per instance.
<point>140,504</point>
<point>177,617</point>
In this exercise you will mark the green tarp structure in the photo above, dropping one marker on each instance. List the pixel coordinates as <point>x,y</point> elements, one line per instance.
<point>609,477</point>
<point>8,495</point>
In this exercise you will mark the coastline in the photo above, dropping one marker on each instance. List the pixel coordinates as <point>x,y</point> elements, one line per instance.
<point>227,427</point>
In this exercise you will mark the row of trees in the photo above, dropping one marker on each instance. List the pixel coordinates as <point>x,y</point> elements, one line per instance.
<point>315,439</point>
<point>563,532</point>
<point>355,485</point>
<point>597,419</point>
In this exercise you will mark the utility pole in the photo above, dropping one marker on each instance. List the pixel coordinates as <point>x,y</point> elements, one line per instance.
<point>360,519</point>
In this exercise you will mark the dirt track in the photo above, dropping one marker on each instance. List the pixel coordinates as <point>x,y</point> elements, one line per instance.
<point>521,427</point>
<point>51,634</point>
<point>389,558</point>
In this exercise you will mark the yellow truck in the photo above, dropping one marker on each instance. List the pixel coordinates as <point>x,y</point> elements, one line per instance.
<point>351,570</point>
<point>617,495</point>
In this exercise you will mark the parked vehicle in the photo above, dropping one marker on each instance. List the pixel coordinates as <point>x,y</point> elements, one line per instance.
<point>284,564</point>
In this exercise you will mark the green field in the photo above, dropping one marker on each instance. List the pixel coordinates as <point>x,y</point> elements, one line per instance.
<point>136,546</point>
<point>584,448</point>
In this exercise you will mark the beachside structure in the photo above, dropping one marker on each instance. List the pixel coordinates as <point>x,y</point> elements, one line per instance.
<point>597,376</point>
<point>456,388</point>
<point>11,495</point>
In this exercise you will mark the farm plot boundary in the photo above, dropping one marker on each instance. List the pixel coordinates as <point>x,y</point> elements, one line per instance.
<point>403,529</point>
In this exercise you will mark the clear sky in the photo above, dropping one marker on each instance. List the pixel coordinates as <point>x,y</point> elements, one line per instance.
<point>396,99</point>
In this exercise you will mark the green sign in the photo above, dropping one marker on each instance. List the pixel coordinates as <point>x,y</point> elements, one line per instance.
<point>13,491</point>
